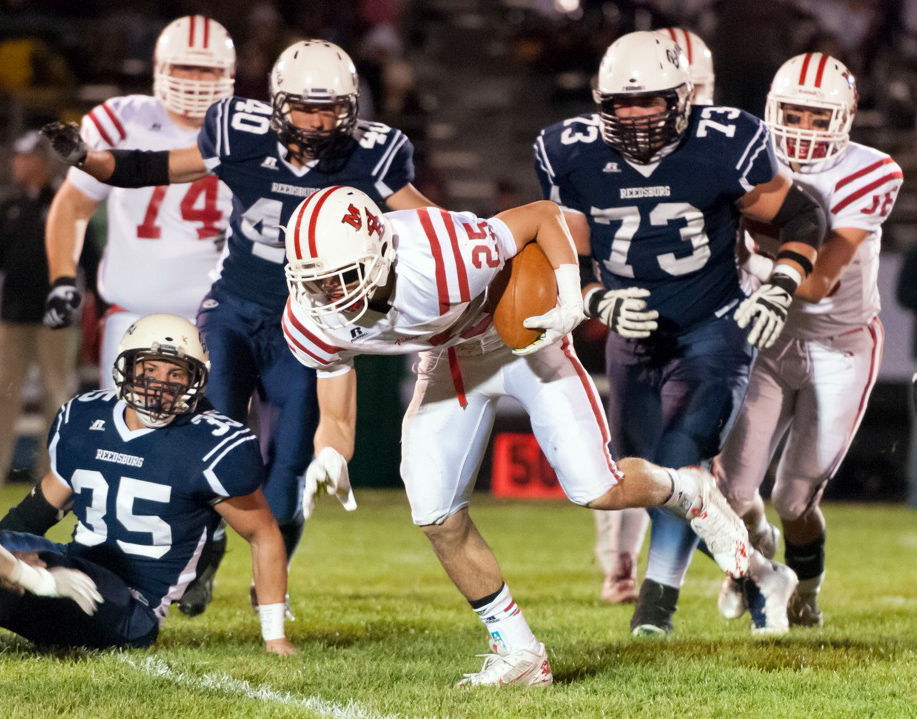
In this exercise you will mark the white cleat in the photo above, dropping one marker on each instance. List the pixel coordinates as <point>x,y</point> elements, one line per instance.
<point>523,666</point>
<point>722,530</point>
<point>731,601</point>
<point>767,592</point>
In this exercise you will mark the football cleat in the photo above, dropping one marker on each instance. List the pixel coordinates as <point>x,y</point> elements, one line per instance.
<point>718,526</point>
<point>653,613</point>
<point>767,592</point>
<point>527,667</point>
<point>731,601</point>
<point>803,609</point>
<point>620,586</point>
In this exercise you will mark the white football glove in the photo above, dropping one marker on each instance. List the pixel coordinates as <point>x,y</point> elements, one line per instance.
<point>562,319</point>
<point>58,582</point>
<point>767,306</point>
<point>328,470</point>
<point>624,311</point>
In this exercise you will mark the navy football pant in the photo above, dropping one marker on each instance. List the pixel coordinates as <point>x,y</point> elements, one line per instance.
<point>673,401</point>
<point>122,620</point>
<point>249,356</point>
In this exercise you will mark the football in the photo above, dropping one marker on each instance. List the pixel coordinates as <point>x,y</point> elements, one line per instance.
<point>525,287</point>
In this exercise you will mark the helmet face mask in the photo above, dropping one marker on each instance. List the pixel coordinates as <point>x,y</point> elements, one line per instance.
<point>194,66</point>
<point>339,250</point>
<point>636,68</point>
<point>315,76</point>
<point>152,344</point>
<point>819,88</point>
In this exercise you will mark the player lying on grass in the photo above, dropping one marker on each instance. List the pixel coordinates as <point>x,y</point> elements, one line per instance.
<point>148,470</point>
<point>417,280</point>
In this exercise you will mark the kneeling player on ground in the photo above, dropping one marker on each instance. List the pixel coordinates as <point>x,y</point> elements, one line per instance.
<point>148,470</point>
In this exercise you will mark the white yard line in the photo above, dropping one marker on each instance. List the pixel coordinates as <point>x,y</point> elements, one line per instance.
<point>223,682</point>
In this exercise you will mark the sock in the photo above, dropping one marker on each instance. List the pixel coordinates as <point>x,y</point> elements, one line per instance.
<point>810,587</point>
<point>501,615</point>
<point>807,560</point>
<point>684,492</point>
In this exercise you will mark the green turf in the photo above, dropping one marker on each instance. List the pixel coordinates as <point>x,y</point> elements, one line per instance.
<point>382,632</point>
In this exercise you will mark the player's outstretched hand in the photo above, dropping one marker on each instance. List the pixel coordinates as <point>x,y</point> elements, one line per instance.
<point>624,311</point>
<point>66,141</point>
<point>77,586</point>
<point>62,303</point>
<point>280,646</point>
<point>328,470</point>
<point>766,310</point>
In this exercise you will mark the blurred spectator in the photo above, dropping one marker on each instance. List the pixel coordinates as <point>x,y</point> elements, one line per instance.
<point>23,337</point>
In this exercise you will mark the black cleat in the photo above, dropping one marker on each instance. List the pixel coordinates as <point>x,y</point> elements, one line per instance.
<point>199,593</point>
<point>655,607</point>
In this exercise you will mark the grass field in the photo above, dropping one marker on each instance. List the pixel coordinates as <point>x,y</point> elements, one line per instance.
<point>382,633</point>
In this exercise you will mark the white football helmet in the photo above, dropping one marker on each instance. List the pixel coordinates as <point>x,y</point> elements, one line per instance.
<point>314,72</point>
<point>162,337</point>
<point>643,64</point>
<point>193,41</point>
<point>700,62</point>
<point>340,249</point>
<point>813,81</point>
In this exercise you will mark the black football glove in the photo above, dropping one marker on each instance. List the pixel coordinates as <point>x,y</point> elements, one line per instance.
<point>66,141</point>
<point>62,303</point>
<point>624,311</point>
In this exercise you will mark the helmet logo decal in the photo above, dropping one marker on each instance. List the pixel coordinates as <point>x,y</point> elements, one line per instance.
<point>672,56</point>
<point>373,225</point>
<point>352,217</point>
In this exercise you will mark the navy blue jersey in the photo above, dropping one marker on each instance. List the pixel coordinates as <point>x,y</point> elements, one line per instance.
<point>239,147</point>
<point>671,228</point>
<point>143,499</point>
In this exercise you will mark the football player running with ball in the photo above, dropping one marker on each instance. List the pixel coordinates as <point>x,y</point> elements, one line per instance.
<point>417,281</point>
<point>652,189</point>
<point>148,470</point>
<point>813,384</point>
<point>271,157</point>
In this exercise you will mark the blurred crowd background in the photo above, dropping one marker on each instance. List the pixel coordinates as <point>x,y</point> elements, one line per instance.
<point>471,82</point>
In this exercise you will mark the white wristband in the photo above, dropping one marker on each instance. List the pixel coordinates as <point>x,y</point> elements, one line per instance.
<point>783,269</point>
<point>37,580</point>
<point>759,266</point>
<point>568,285</point>
<point>272,618</point>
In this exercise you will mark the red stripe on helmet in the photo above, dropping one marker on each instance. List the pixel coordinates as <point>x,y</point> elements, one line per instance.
<point>206,32</point>
<point>191,32</point>
<point>688,48</point>
<point>314,219</point>
<point>297,224</point>
<point>821,70</point>
<point>805,68</point>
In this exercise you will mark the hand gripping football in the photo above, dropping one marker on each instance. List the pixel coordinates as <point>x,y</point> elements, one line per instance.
<point>525,287</point>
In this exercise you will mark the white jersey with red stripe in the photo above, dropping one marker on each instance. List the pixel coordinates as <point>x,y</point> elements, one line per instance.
<point>858,191</point>
<point>163,242</point>
<point>444,263</point>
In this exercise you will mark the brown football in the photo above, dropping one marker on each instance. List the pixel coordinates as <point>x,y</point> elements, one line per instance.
<point>525,287</point>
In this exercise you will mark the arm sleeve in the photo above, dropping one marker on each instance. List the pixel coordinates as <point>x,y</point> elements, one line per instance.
<point>213,139</point>
<point>547,170</point>
<point>865,202</point>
